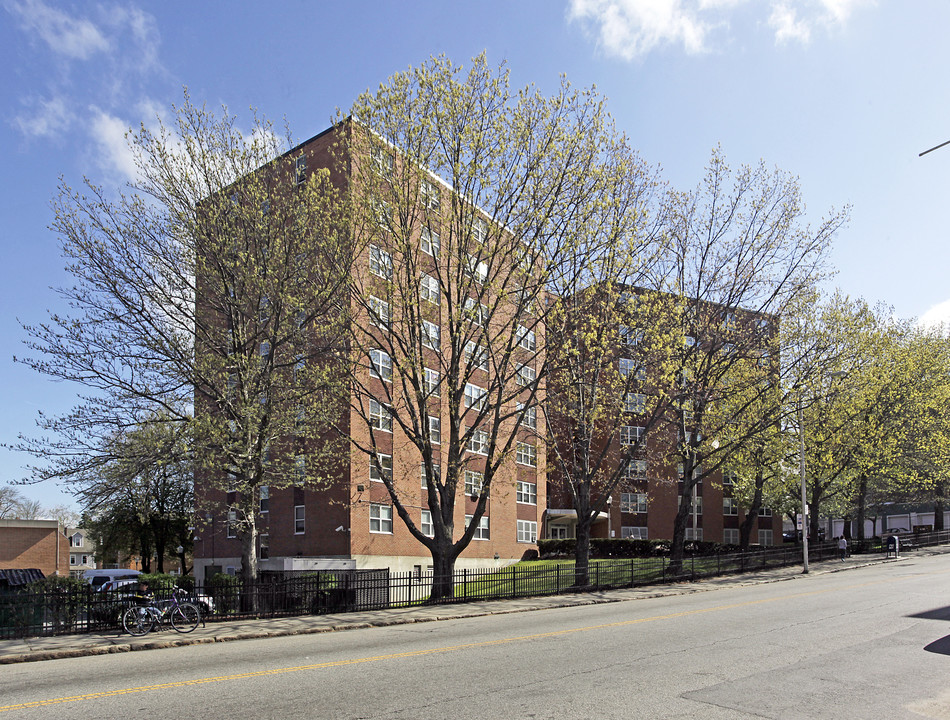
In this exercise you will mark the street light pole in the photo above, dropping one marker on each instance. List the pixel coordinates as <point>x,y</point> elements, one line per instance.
<point>801,470</point>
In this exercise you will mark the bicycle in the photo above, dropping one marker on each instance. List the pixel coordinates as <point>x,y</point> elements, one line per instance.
<point>142,619</point>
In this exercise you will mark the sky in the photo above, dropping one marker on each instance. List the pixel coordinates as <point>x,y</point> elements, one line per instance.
<point>843,94</point>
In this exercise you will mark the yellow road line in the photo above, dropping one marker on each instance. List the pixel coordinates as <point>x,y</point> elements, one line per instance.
<point>420,653</point>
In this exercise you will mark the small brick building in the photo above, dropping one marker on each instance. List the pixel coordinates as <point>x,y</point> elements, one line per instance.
<point>40,544</point>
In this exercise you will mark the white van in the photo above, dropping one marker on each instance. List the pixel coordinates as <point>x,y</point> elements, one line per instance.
<point>97,578</point>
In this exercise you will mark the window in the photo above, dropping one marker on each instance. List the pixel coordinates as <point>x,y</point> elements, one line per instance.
<point>730,536</point>
<point>430,195</point>
<point>729,506</point>
<point>728,321</point>
<point>765,512</point>
<point>476,312</point>
<point>526,338</point>
<point>729,477</point>
<point>526,493</point>
<point>530,416</point>
<point>694,534</point>
<point>435,430</point>
<point>265,499</point>
<point>478,269</point>
<point>300,470</point>
<point>425,480</point>
<point>473,483</point>
<point>300,170</point>
<point>627,366</point>
<point>696,506</point>
<point>476,355</point>
<point>633,533</point>
<point>381,365</point>
<point>430,379</point>
<point>525,375</point>
<point>527,531</point>
<point>75,540</point>
<point>379,312</point>
<point>630,336</point>
<point>635,470</point>
<point>232,523</point>
<point>429,289</point>
<point>381,470</point>
<point>425,525</point>
<point>380,262</point>
<point>430,243</point>
<point>379,417</point>
<point>633,502</point>
<point>481,530</point>
<point>635,403</point>
<point>380,518</point>
<point>630,434</point>
<point>478,442</point>
<point>264,552</point>
<point>431,335</point>
<point>475,396</point>
<point>480,231</point>
<point>383,161</point>
<point>73,559</point>
<point>526,454</point>
<point>765,537</point>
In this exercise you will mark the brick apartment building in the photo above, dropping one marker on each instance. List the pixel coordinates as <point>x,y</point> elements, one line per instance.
<point>352,522</point>
<point>29,544</point>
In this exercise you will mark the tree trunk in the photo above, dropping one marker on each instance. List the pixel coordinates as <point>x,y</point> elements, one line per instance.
<point>814,509</point>
<point>443,575</point>
<point>677,547</point>
<point>745,528</point>
<point>249,564</point>
<point>938,515</point>
<point>847,527</point>
<point>582,554</point>
<point>862,505</point>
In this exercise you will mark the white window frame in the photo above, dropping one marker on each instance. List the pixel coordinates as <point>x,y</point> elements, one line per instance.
<point>636,470</point>
<point>381,365</point>
<point>730,536</point>
<point>379,312</point>
<point>478,442</point>
<point>381,518</point>
<point>300,519</point>
<point>630,434</point>
<point>482,531</point>
<point>386,463</point>
<point>765,536</point>
<point>526,454</point>
<point>635,403</point>
<point>429,289</point>
<point>425,523</point>
<point>473,483</point>
<point>765,512</point>
<point>527,531</point>
<point>380,417</point>
<point>696,535</point>
<point>264,500</point>
<point>475,396</point>
<point>477,269</point>
<point>632,532</point>
<point>300,170</point>
<point>431,336</point>
<point>380,262</point>
<point>634,503</point>
<point>730,506</point>
<point>477,355</point>
<point>430,195</point>
<point>527,338</point>
<point>435,430</point>
<point>526,493</point>
<point>529,417</point>
<point>430,243</point>
<point>525,375</point>
<point>431,380</point>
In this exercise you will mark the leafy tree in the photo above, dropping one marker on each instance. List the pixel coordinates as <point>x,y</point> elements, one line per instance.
<point>204,295</point>
<point>471,198</point>
<point>737,257</point>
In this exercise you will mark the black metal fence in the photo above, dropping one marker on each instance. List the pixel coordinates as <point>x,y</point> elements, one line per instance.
<point>25,614</point>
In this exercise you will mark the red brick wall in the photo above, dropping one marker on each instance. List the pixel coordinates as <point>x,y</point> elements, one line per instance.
<point>34,544</point>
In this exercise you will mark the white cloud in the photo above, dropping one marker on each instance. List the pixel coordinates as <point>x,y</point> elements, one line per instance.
<point>936,316</point>
<point>43,118</point>
<point>73,37</point>
<point>631,29</point>
<point>109,133</point>
<point>784,21</point>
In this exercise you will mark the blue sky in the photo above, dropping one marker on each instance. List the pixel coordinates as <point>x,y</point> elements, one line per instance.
<point>842,93</point>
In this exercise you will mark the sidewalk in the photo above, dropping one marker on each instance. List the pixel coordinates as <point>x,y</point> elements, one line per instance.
<point>65,646</point>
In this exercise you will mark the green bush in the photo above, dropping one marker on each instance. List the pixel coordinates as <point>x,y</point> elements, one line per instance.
<point>62,599</point>
<point>224,590</point>
<point>602,548</point>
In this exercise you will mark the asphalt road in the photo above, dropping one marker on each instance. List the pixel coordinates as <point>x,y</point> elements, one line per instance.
<point>868,643</point>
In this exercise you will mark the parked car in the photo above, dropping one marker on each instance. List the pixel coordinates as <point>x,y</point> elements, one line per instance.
<point>98,578</point>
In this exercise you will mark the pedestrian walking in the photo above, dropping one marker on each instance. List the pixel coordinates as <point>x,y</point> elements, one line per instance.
<point>843,547</point>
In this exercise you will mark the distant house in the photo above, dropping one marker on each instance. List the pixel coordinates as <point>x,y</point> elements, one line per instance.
<point>35,544</point>
<point>82,551</point>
